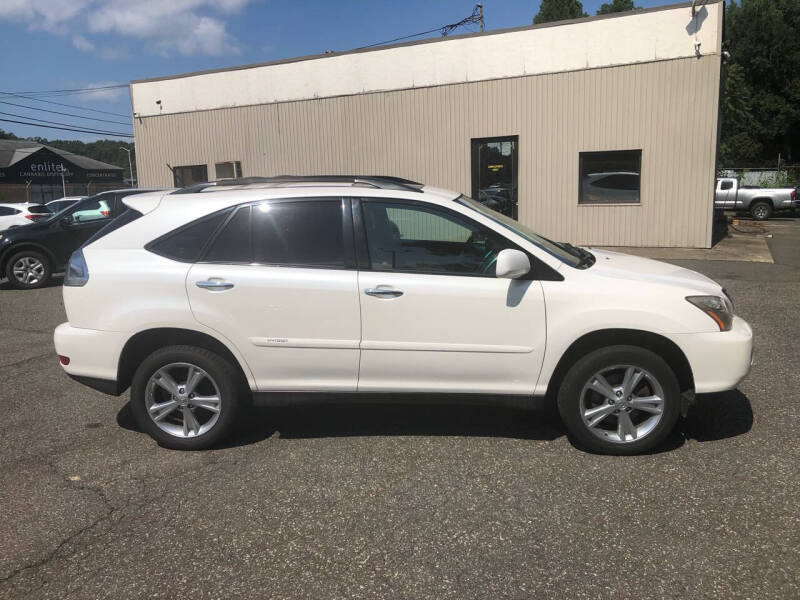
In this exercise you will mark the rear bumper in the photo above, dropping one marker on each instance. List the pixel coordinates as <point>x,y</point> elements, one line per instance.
<point>719,360</point>
<point>93,355</point>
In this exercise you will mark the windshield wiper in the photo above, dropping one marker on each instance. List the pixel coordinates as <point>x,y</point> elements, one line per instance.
<point>585,257</point>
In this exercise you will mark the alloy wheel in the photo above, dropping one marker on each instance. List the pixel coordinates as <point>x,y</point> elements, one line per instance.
<point>28,270</point>
<point>622,403</point>
<point>183,400</point>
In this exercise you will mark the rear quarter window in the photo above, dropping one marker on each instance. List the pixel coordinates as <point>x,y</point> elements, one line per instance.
<point>186,243</point>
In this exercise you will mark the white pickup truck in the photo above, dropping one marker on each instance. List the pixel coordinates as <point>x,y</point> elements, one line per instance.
<point>760,202</point>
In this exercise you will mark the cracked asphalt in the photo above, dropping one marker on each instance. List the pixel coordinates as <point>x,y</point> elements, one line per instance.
<point>409,500</point>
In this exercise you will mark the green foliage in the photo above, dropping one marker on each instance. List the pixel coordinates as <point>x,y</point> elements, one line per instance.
<point>761,83</point>
<point>107,151</point>
<point>616,6</point>
<point>558,10</point>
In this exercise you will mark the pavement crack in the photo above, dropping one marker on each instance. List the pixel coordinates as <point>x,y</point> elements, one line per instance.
<point>25,360</point>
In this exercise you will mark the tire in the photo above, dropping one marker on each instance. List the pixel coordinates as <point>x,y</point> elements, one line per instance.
<point>761,211</point>
<point>28,270</point>
<point>217,378</point>
<point>642,429</point>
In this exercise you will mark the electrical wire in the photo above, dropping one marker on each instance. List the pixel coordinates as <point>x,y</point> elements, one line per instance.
<point>65,114</point>
<point>96,132</point>
<point>475,17</point>
<point>8,114</point>
<point>97,110</point>
<point>86,90</point>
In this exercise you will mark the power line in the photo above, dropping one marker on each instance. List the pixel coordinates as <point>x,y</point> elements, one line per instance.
<point>40,120</point>
<point>87,90</point>
<point>475,17</point>
<point>65,114</point>
<point>97,110</point>
<point>97,132</point>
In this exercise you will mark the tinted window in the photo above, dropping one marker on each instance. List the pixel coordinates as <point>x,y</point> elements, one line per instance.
<point>726,185</point>
<point>610,177</point>
<point>186,243</point>
<point>407,237</point>
<point>6,211</point>
<point>302,233</point>
<point>233,242</point>
<point>39,209</point>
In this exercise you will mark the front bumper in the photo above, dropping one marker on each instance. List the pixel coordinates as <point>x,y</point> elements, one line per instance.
<point>719,360</point>
<point>93,355</point>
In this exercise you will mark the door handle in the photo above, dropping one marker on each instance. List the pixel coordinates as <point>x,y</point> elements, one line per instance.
<point>215,285</point>
<point>383,292</point>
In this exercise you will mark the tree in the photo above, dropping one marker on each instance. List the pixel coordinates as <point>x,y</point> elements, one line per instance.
<point>616,6</point>
<point>761,84</point>
<point>558,10</point>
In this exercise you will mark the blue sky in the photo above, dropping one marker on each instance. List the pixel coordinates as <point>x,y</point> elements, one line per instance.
<point>66,44</point>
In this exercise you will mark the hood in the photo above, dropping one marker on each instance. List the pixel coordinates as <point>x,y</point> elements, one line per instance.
<point>635,268</point>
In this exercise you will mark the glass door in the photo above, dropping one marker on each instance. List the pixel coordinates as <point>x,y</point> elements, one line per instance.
<point>494,173</point>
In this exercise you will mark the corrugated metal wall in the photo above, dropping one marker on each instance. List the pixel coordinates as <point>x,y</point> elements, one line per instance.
<point>668,109</point>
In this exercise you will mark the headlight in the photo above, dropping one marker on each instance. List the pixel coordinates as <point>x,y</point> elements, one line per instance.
<point>719,309</point>
<point>77,272</point>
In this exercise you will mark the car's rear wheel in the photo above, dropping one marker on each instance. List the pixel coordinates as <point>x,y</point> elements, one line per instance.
<point>28,269</point>
<point>761,211</point>
<point>186,397</point>
<point>620,400</point>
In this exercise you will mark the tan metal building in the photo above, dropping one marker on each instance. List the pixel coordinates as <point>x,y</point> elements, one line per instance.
<point>601,130</point>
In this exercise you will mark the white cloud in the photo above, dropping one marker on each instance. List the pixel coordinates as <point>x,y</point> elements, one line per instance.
<point>188,27</point>
<point>82,44</point>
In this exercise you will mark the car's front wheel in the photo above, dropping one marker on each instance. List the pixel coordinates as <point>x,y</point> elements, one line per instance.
<point>186,397</point>
<point>620,400</point>
<point>28,269</point>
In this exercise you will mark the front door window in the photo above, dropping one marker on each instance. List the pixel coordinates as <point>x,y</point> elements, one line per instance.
<point>494,173</point>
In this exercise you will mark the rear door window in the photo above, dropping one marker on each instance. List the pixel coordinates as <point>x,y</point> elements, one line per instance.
<point>301,233</point>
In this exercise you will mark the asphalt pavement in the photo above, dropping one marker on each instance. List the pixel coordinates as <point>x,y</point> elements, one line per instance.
<point>405,500</point>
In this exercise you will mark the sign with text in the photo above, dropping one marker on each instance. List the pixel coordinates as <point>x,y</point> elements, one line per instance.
<point>45,166</point>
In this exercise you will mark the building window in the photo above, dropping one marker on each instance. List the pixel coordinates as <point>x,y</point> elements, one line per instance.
<point>494,173</point>
<point>610,177</point>
<point>189,175</point>
<point>228,170</point>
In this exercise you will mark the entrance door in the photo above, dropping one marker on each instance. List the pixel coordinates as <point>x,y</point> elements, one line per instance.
<point>494,173</point>
<point>433,315</point>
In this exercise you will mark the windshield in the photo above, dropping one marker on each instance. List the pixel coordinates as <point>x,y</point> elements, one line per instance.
<point>563,252</point>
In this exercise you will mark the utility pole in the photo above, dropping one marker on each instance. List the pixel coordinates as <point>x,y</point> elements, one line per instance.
<point>130,165</point>
<point>63,185</point>
<point>480,10</point>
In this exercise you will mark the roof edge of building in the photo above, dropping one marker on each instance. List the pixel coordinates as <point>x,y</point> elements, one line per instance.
<point>428,41</point>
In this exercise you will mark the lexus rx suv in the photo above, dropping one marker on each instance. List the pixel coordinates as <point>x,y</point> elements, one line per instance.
<point>202,298</point>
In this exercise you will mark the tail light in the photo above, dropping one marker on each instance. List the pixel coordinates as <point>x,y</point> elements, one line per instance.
<point>64,360</point>
<point>105,213</point>
<point>77,273</point>
<point>794,194</point>
<point>34,217</point>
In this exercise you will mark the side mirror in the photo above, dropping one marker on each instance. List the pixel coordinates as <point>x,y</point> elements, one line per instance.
<point>67,220</point>
<point>512,264</point>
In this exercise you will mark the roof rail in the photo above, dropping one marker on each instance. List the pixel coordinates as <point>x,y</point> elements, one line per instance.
<point>377,181</point>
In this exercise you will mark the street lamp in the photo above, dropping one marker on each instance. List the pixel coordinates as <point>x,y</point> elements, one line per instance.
<point>130,165</point>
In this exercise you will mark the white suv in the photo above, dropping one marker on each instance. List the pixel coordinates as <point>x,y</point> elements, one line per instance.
<point>201,298</point>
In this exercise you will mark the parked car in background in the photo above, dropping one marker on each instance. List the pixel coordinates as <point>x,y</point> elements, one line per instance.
<point>30,255</point>
<point>375,284</point>
<point>15,215</point>
<point>760,203</point>
<point>62,203</point>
